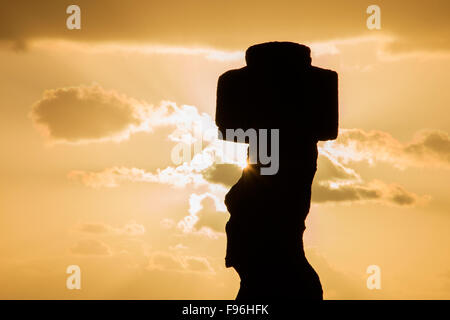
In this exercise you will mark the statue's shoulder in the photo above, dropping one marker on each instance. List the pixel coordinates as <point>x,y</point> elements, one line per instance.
<point>323,71</point>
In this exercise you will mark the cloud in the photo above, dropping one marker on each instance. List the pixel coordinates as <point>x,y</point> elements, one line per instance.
<point>427,149</point>
<point>91,247</point>
<point>412,25</point>
<point>431,145</point>
<point>112,177</point>
<point>165,261</point>
<point>87,114</point>
<point>334,182</point>
<point>130,229</point>
<point>224,173</point>
<point>216,164</point>
<point>207,216</point>
<point>198,264</point>
<point>178,246</point>
<point>328,193</point>
<point>77,114</point>
<point>377,191</point>
<point>174,262</point>
<point>202,158</point>
<point>210,217</point>
<point>148,49</point>
<point>95,228</point>
<point>330,169</point>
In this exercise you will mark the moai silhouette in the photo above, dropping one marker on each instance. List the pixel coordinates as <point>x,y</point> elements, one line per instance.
<point>278,89</point>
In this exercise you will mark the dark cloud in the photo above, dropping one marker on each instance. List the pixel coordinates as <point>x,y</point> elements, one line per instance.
<point>376,191</point>
<point>226,173</point>
<point>335,182</point>
<point>400,196</point>
<point>209,217</point>
<point>77,114</point>
<point>333,170</point>
<point>434,144</point>
<point>325,193</point>
<point>429,148</point>
<point>233,24</point>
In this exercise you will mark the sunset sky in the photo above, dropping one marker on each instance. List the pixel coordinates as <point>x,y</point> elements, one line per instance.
<point>90,118</point>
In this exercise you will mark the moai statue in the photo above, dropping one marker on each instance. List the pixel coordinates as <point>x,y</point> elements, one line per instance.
<point>279,90</point>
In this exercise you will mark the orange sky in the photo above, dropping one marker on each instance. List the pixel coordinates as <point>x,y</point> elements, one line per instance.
<point>90,118</point>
